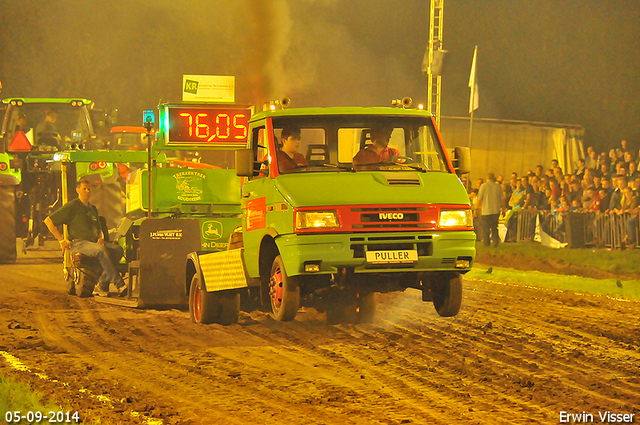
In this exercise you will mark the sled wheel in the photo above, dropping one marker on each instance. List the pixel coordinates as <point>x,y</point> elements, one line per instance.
<point>284,292</point>
<point>203,307</point>
<point>8,251</point>
<point>446,289</point>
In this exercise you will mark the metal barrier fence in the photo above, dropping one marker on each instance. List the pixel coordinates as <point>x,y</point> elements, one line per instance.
<point>577,229</point>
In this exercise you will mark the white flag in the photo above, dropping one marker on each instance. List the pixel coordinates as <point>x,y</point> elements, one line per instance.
<point>473,84</point>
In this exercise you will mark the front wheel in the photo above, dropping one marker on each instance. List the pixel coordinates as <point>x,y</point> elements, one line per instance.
<point>284,292</point>
<point>446,290</point>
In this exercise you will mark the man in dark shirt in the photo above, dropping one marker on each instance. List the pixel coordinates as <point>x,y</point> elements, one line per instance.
<point>378,151</point>
<point>85,236</point>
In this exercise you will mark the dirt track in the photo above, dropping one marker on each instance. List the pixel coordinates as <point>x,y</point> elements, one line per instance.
<point>514,354</point>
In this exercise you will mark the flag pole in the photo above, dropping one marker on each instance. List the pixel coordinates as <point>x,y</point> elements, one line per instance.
<point>473,85</point>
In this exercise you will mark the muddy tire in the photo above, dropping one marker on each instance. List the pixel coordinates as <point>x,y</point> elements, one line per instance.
<point>84,285</point>
<point>284,292</point>
<point>446,290</point>
<point>8,251</point>
<point>229,307</point>
<point>203,306</point>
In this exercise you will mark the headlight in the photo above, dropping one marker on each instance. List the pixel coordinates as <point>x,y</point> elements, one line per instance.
<point>316,220</point>
<point>456,218</point>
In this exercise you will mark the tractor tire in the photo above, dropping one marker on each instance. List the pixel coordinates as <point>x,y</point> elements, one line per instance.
<point>284,292</point>
<point>446,290</point>
<point>84,285</point>
<point>204,307</point>
<point>8,252</point>
<point>229,307</point>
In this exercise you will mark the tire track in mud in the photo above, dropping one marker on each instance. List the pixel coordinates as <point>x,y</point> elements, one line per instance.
<point>514,354</point>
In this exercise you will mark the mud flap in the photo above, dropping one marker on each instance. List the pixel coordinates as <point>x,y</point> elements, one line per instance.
<point>7,225</point>
<point>164,246</point>
<point>223,270</point>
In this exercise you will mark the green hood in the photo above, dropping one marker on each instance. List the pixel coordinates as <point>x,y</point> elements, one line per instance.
<point>371,187</point>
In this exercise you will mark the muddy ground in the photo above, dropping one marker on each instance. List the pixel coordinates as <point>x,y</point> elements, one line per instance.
<point>514,355</point>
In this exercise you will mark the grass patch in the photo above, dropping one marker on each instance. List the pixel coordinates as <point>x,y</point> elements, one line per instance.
<point>612,287</point>
<point>624,262</point>
<point>16,396</point>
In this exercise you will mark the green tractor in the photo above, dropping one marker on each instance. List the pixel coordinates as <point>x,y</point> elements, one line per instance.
<point>33,131</point>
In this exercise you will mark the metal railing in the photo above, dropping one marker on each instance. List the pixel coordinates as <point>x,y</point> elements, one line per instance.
<point>577,229</point>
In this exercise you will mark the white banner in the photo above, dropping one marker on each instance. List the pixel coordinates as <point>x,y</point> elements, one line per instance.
<point>209,88</point>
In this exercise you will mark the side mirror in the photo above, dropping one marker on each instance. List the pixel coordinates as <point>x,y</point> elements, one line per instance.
<point>462,155</point>
<point>244,163</point>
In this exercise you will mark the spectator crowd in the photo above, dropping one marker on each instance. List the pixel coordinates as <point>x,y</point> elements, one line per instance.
<point>605,185</point>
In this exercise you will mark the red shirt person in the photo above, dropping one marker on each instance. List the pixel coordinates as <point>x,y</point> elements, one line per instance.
<point>288,156</point>
<point>379,150</point>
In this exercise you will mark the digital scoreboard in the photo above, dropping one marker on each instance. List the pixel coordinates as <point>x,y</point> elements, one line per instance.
<point>202,125</point>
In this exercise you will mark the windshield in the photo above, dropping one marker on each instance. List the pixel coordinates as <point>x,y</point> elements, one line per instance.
<point>357,143</point>
<point>49,125</point>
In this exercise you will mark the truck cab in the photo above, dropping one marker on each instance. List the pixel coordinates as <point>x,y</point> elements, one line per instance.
<point>322,228</point>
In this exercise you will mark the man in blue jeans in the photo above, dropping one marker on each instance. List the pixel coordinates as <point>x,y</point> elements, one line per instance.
<point>85,237</point>
<point>490,200</point>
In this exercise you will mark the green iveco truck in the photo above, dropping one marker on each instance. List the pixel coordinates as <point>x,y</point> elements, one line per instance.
<point>330,233</point>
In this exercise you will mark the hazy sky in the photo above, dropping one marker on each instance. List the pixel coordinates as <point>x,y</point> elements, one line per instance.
<point>573,61</point>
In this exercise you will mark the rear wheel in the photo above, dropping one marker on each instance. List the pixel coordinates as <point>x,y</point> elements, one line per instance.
<point>8,251</point>
<point>284,292</point>
<point>203,306</point>
<point>446,290</point>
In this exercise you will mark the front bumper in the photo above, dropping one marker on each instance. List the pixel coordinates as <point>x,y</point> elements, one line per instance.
<point>437,251</point>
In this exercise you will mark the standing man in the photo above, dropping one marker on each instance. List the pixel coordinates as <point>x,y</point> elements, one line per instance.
<point>490,198</point>
<point>85,237</point>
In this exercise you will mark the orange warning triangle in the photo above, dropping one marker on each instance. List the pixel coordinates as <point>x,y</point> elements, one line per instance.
<point>19,143</point>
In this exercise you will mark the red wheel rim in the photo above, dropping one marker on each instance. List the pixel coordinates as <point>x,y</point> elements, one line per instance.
<point>277,288</point>
<point>197,303</point>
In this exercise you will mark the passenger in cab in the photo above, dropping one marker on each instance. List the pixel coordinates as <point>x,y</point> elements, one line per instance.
<point>288,156</point>
<point>378,151</point>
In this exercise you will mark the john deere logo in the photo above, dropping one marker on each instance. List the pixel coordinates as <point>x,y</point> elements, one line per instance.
<point>189,185</point>
<point>212,230</point>
<point>191,86</point>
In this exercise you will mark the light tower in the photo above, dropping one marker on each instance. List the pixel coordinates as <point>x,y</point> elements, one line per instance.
<point>436,55</point>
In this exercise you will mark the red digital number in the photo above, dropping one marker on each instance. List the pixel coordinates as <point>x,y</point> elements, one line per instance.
<point>226,126</point>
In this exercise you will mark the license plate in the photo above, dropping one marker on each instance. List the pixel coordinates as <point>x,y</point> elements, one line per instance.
<point>387,257</point>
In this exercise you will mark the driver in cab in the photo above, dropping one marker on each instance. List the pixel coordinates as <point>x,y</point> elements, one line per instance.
<point>378,151</point>
<point>288,156</point>
<point>46,131</point>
